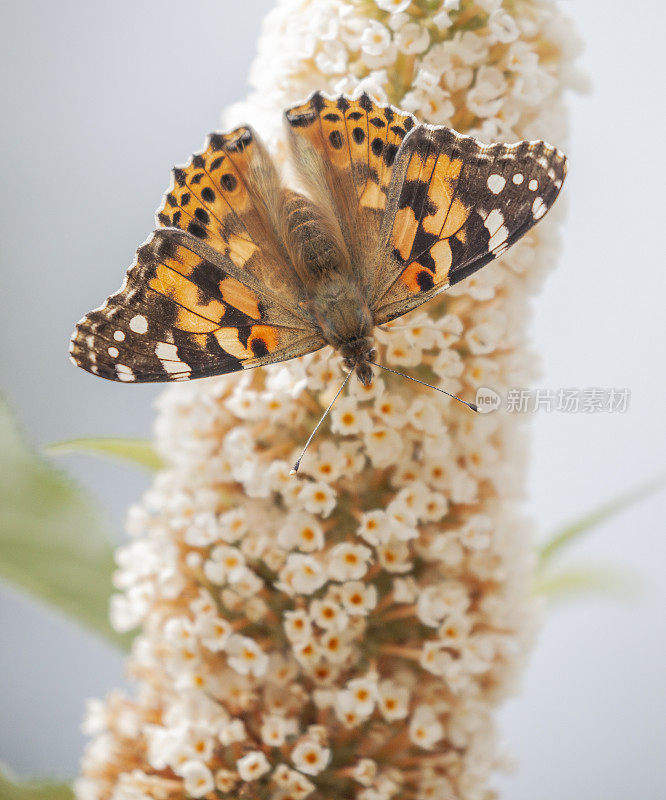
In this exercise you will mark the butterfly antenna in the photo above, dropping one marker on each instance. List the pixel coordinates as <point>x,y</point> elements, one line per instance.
<point>294,469</point>
<point>473,406</point>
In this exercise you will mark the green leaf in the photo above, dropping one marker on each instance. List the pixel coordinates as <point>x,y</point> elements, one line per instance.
<point>573,582</point>
<point>53,542</point>
<point>574,530</point>
<point>136,451</point>
<point>10,789</point>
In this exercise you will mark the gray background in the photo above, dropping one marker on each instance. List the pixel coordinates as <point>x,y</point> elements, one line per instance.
<point>98,101</point>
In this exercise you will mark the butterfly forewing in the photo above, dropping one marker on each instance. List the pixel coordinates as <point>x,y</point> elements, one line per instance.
<point>344,150</point>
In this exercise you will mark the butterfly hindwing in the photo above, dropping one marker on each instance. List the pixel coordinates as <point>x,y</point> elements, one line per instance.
<point>181,315</point>
<point>454,205</point>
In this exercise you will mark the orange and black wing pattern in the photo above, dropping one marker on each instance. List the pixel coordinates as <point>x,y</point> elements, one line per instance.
<point>211,292</point>
<point>454,205</point>
<point>344,150</point>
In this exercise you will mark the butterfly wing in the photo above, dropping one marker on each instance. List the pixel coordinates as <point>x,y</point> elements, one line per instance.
<point>212,293</point>
<point>344,150</point>
<point>454,205</point>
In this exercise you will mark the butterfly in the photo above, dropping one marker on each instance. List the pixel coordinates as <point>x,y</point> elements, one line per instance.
<point>244,270</point>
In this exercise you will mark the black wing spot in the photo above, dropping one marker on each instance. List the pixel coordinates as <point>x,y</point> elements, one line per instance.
<point>342,103</point>
<point>207,194</point>
<point>202,215</point>
<point>390,153</point>
<point>377,146</point>
<point>358,135</point>
<point>332,117</point>
<point>197,230</point>
<point>335,138</point>
<point>259,347</point>
<point>317,101</point>
<point>365,102</point>
<point>216,164</point>
<point>424,280</point>
<point>228,181</point>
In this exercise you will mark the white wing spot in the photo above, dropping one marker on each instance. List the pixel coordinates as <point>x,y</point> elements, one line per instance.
<point>499,237</point>
<point>113,352</point>
<point>518,178</point>
<point>496,183</point>
<point>124,373</point>
<point>139,324</point>
<point>119,336</point>
<point>534,185</point>
<point>168,356</point>
<point>494,221</point>
<point>538,208</point>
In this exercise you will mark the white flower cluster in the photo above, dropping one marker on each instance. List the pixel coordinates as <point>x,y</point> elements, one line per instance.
<point>347,633</point>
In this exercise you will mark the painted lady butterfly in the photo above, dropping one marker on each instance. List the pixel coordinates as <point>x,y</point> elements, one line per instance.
<point>245,271</point>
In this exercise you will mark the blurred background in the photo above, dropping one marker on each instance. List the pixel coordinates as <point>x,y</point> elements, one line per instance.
<point>99,101</point>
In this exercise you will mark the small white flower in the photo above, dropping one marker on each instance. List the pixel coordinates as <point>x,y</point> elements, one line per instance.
<point>225,780</point>
<point>335,647</point>
<point>394,556</point>
<point>245,656</point>
<point>348,562</point>
<point>393,700</point>
<point>297,626</point>
<point>412,38</point>
<point>365,771</point>
<point>310,757</point>
<point>222,561</point>
<point>317,497</point>
<point>503,27</point>
<point>301,531</point>
<point>214,632</point>
<point>376,38</point>
<point>252,765</point>
<point>375,527</point>
<point>442,20</point>
<point>475,534</point>
<point>303,574</point>
<point>441,599</point>
<point>275,729</point>
<point>425,730</point>
<point>358,597</point>
<point>331,58</point>
<point>384,446</point>
<point>391,410</point>
<point>198,779</point>
<point>347,418</point>
<point>364,692</point>
<point>328,615</point>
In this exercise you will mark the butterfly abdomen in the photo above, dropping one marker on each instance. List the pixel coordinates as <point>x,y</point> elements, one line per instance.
<point>311,241</point>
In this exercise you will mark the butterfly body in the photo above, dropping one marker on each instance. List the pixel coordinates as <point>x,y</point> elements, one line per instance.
<point>245,271</point>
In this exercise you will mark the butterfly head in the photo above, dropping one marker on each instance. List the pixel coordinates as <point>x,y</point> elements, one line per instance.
<point>356,353</point>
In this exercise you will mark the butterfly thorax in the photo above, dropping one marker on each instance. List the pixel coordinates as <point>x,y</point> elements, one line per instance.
<point>334,299</point>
